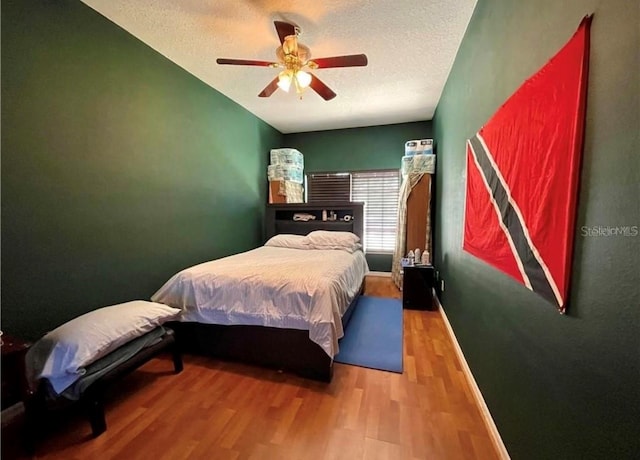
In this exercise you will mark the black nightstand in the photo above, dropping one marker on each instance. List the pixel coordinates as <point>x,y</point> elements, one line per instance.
<point>417,287</point>
<point>14,384</point>
<point>14,390</point>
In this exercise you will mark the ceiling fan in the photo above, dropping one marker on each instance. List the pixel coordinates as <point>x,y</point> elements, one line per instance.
<point>294,58</point>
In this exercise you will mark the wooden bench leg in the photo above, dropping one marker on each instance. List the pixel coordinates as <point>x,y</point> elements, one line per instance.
<point>95,411</point>
<point>34,412</point>
<point>177,358</point>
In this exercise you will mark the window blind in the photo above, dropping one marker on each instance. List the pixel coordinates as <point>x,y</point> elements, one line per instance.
<point>379,191</point>
<point>328,187</point>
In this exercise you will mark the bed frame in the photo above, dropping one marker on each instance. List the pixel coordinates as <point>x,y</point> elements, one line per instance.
<point>277,348</point>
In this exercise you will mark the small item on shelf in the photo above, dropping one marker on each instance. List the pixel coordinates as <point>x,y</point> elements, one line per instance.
<point>417,255</point>
<point>425,258</point>
<point>324,215</point>
<point>332,216</point>
<point>303,216</point>
<point>347,218</point>
<point>411,257</point>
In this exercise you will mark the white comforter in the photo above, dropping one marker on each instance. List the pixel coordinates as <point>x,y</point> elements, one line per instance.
<point>271,286</point>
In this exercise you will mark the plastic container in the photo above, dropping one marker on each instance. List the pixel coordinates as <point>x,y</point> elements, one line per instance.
<point>285,172</point>
<point>407,164</point>
<point>419,164</point>
<point>425,147</point>
<point>286,156</point>
<point>410,148</point>
<point>285,192</point>
<point>418,147</point>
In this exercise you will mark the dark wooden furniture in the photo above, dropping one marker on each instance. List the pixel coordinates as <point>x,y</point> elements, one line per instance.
<point>417,287</point>
<point>418,207</point>
<point>277,348</point>
<point>279,218</point>
<point>91,400</point>
<point>289,350</point>
<point>14,385</point>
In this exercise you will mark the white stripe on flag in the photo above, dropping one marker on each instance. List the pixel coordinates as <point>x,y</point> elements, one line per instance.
<point>514,205</point>
<point>499,214</point>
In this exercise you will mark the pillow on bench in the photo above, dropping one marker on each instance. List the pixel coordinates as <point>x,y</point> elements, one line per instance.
<point>62,355</point>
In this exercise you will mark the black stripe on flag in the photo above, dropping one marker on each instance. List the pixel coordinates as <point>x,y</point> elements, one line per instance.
<point>532,268</point>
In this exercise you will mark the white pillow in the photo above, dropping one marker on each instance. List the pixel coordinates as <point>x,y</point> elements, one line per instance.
<point>61,355</point>
<point>344,247</point>
<point>327,238</point>
<point>288,241</point>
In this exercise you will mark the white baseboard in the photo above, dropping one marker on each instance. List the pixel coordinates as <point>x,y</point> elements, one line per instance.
<point>484,410</point>
<point>381,274</point>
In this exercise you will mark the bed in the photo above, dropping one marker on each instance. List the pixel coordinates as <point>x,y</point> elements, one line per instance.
<point>282,306</point>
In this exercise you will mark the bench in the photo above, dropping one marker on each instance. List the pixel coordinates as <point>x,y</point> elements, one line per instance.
<point>63,354</point>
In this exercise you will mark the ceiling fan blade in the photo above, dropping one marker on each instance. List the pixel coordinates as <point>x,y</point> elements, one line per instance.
<point>323,90</point>
<point>270,89</point>
<point>353,60</point>
<point>226,61</point>
<point>284,29</point>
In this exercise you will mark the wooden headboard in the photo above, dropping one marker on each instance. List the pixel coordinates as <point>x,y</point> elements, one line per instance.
<point>279,218</point>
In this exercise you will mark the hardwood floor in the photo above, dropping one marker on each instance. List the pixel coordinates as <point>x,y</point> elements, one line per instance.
<point>222,410</point>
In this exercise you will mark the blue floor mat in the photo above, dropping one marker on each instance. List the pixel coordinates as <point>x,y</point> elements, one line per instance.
<point>373,337</point>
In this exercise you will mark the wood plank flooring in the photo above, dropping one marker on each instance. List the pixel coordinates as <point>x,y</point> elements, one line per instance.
<point>222,410</point>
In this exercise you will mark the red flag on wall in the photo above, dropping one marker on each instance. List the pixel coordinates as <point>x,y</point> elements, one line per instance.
<point>523,168</point>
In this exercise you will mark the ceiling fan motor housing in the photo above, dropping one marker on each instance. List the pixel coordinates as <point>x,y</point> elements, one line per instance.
<point>292,54</point>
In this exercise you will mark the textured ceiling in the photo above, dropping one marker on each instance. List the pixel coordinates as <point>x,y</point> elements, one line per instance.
<point>411,46</point>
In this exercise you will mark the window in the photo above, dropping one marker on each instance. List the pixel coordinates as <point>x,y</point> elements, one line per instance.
<point>379,191</point>
<point>328,187</point>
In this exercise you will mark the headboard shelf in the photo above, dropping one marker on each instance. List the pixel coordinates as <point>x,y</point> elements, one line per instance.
<point>280,218</point>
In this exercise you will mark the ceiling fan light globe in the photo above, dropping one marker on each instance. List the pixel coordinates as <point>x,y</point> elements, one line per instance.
<point>284,80</point>
<point>303,78</point>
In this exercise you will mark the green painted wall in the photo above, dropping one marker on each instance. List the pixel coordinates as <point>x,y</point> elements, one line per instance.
<point>374,147</point>
<point>558,387</point>
<point>118,167</point>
